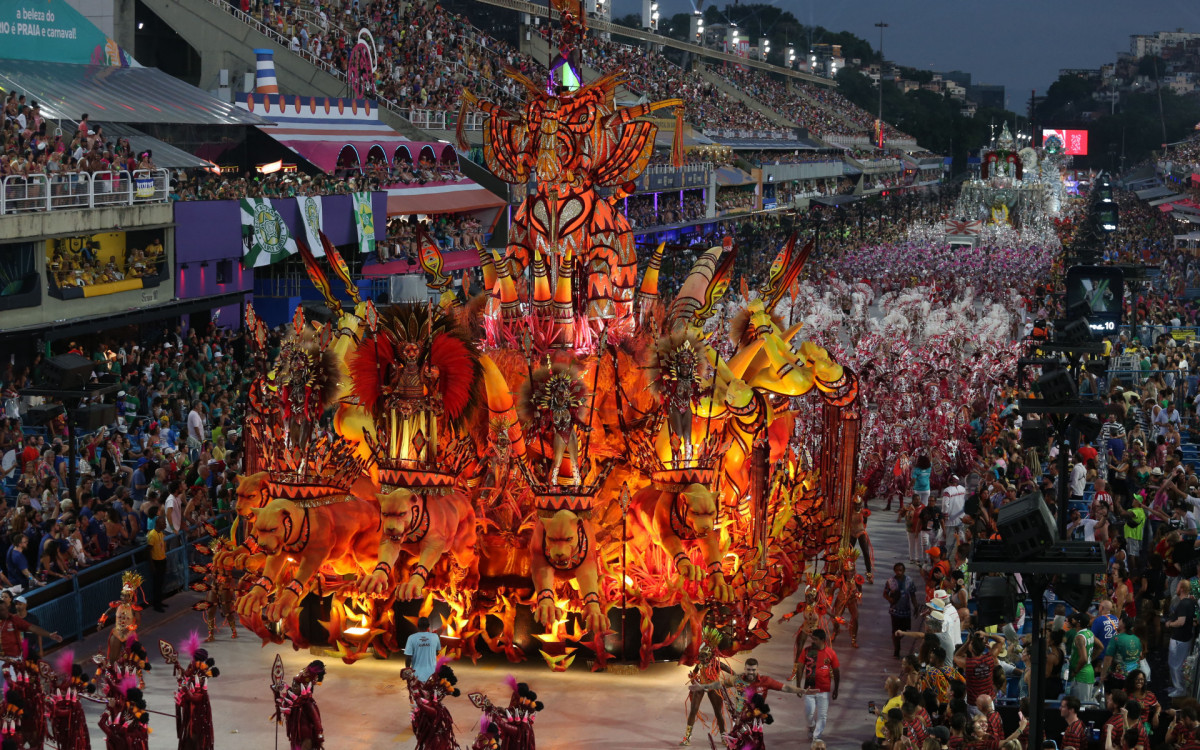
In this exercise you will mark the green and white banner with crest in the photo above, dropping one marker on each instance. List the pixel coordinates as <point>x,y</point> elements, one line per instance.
<point>311,213</point>
<point>265,238</point>
<point>364,219</point>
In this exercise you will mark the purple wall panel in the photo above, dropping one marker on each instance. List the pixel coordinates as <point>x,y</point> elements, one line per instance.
<point>207,230</point>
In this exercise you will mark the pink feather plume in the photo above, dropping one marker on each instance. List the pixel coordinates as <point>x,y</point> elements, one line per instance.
<point>127,682</point>
<point>511,682</point>
<point>485,723</point>
<point>64,661</point>
<point>749,694</point>
<point>190,646</point>
<point>441,662</point>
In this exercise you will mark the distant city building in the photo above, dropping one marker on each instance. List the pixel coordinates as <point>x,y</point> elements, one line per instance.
<point>1141,45</point>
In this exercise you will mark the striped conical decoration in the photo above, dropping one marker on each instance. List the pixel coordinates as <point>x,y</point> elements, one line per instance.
<point>265,81</point>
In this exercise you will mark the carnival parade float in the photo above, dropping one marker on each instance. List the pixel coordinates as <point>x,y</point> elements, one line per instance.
<point>561,462</point>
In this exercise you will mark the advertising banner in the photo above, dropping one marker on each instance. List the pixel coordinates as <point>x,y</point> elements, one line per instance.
<point>1074,142</point>
<point>311,216</point>
<point>364,220</point>
<point>265,237</point>
<point>53,31</point>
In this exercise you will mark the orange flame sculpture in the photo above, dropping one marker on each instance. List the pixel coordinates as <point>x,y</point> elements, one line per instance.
<point>582,454</point>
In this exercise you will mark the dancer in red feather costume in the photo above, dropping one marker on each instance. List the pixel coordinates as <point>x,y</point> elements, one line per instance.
<point>432,724</point>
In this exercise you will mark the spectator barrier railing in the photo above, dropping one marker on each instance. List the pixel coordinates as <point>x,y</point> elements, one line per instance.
<point>324,65</point>
<point>428,119</point>
<point>72,609</point>
<point>21,194</point>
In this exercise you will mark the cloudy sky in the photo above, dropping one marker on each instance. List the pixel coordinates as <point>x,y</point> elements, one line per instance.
<point>1020,43</point>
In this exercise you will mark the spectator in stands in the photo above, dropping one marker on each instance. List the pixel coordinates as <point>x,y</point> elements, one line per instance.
<point>16,564</point>
<point>156,542</point>
<point>11,628</point>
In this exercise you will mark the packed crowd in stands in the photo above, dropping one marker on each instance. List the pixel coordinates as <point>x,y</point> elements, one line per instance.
<point>206,186</point>
<point>736,199</point>
<point>1133,488</point>
<point>199,184</point>
<point>402,171</point>
<point>640,210</point>
<point>819,109</point>
<point>451,232</point>
<point>656,77</point>
<point>425,55</point>
<point>30,145</point>
<point>869,155</point>
<point>175,445</point>
<point>1186,153</point>
<point>86,264</point>
<point>764,158</point>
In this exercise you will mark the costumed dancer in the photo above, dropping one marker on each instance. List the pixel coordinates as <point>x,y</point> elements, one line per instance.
<point>127,618</point>
<point>847,594</point>
<point>193,711</point>
<point>219,590</point>
<point>901,480</point>
<point>507,728</point>
<point>25,688</point>
<point>433,726</point>
<point>858,532</point>
<point>707,669</point>
<point>747,732</point>
<point>297,709</point>
<point>131,661</point>
<point>10,720</point>
<point>68,724</point>
<point>817,610</point>
<point>489,735</point>
<point>125,722</point>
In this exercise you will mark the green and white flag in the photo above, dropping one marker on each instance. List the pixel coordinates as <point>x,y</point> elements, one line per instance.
<point>312,215</point>
<point>364,219</point>
<point>265,238</point>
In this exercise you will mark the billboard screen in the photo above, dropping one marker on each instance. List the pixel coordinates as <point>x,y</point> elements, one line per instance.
<point>1102,290</point>
<point>1074,142</point>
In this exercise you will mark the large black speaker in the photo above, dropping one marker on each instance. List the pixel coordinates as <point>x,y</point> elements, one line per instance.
<point>997,601</point>
<point>1076,589</point>
<point>68,372</point>
<point>40,416</point>
<point>1026,526</point>
<point>95,416</point>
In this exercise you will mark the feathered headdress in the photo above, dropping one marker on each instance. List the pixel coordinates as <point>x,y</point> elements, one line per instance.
<point>190,646</point>
<point>676,356</point>
<point>131,581</point>
<point>428,339</point>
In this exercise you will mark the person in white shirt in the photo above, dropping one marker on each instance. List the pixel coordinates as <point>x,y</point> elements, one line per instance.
<point>1086,525</point>
<point>195,427</point>
<point>1078,480</point>
<point>174,509</point>
<point>1191,499</point>
<point>8,464</point>
<point>951,623</point>
<point>954,499</point>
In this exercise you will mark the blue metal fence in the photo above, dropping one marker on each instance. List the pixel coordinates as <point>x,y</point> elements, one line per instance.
<point>72,610</point>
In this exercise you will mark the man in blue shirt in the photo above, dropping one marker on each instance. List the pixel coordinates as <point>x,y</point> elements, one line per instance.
<point>16,564</point>
<point>1104,626</point>
<point>421,648</point>
<point>140,482</point>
